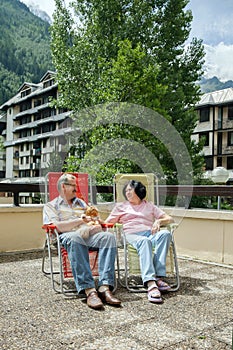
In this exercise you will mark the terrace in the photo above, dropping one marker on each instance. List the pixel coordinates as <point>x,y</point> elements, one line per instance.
<point>33,316</point>
<point>198,316</point>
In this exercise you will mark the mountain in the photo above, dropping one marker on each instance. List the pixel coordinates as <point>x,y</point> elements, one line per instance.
<point>34,8</point>
<point>25,47</point>
<point>213,84</point>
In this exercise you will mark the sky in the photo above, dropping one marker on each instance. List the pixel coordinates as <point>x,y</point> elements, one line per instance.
<point>211,23</point>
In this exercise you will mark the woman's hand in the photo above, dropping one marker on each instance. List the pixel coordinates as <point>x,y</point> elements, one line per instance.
<point>155,227</point>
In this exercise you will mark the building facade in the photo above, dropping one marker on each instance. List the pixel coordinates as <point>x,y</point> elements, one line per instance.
<point>215,125</point>
<point>34,130</point>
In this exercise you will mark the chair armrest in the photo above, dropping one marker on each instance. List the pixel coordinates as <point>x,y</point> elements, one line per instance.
<point>49,227</point>
<point>172,226</point>
<point>107,225</point>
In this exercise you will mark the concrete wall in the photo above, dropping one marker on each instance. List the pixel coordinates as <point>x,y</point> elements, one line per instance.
<point>21,228</point>
<point>204,234</point>
<point>201,234</point>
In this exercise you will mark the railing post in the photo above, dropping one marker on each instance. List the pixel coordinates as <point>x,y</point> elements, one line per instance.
<point>94,194</point>
<point>16,199</point>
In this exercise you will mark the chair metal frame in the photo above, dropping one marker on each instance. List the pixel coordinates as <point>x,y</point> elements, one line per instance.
<point>52,244</point>
<point>124,275</point>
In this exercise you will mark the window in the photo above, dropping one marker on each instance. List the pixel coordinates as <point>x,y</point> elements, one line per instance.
<point>48,113</point>
<point>229,162</point>
<point>48,127</point>
<point>37,117</point>
<point>24,173</point>
<point>37,103</point>
<point>37,131</point>
<point>230,138</point>
<point>65,123</point>
<point>25,106</point>
<point>219,144</point>
<point>219,161</point>
<point>44,144</point>
<point>205,136</point>
<point>209,163</point>
<point>204,114</point>
<point>25,133</point>
<point>220,117</point>
<point>230,112</point>
<point>48,83</point>
<point>25,92</point>
<point>25,120</point>
<point>51,141</point>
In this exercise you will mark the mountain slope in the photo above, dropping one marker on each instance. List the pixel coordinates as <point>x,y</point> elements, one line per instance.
<point>25,47</point>
<point>213,84</point>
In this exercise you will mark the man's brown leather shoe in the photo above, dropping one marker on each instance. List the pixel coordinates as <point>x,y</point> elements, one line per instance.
<point>108,298</point>
<point>94,301</point>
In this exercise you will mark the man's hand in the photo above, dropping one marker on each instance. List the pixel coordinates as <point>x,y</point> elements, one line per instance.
<point>85,218</point>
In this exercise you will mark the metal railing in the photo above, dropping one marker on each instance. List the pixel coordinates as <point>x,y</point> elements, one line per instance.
<point>164,190</point>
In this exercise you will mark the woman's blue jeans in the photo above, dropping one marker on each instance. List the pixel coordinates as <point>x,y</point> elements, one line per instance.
<point>78,249</point>
<point>152,251</point>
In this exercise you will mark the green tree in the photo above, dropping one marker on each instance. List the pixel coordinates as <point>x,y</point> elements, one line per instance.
<point>134,52</point>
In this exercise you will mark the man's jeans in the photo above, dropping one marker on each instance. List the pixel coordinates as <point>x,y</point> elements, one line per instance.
<point>78,248</point>
<point>152,265</point>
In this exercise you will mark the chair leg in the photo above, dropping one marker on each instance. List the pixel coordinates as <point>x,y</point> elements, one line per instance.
<point>176,286</point>
<point>63,290</point>
<point>45,252</point>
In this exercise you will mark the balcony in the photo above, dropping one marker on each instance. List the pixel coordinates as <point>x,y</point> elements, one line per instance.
<point>35,152</point>
<point>35,166</point>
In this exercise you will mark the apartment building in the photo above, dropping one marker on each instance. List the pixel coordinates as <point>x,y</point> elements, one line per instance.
<point>34,130</point>
<point>215,125</point>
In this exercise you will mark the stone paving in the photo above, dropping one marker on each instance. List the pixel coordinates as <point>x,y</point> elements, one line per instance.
<point>198,316</point>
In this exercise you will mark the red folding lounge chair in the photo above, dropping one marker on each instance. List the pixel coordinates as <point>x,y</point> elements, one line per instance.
<point>55,257</point>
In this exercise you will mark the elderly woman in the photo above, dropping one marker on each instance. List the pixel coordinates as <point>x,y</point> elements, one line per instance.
<point>142,222</point>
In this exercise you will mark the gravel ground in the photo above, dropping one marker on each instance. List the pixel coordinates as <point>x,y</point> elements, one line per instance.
<point>198,316</point>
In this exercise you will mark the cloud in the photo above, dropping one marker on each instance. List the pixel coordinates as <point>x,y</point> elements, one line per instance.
<point>219,61</point>
<point>212,20</point>
<point>46,5</point>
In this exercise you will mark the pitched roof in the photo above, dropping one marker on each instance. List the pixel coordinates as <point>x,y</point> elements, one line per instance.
<point>216,97</point>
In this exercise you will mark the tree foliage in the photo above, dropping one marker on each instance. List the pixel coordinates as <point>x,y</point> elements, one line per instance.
<point>129,52</point>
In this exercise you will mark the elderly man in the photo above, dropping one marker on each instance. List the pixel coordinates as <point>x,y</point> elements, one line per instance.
<point>65,212</point>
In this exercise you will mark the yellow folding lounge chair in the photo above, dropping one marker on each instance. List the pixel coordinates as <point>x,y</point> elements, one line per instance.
<point>130,275</point>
